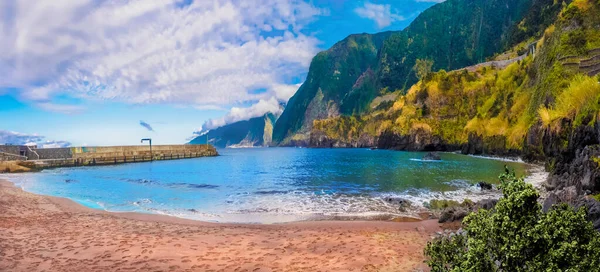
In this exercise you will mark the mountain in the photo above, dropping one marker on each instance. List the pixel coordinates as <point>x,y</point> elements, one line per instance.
<point>250,133</point>
<point>542,106</point>
<point>345,79</point>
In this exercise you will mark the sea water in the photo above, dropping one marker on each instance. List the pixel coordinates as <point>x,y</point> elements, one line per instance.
<point>270,185</point>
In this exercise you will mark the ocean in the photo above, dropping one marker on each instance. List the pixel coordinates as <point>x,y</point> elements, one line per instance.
<point>274,185</point>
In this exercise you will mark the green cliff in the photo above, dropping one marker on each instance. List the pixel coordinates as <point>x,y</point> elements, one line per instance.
<point>255,132</point>
<point>344,80</point>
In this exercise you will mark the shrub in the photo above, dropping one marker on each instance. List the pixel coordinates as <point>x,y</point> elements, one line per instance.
<point>517,236</point>
<point>579,99</point>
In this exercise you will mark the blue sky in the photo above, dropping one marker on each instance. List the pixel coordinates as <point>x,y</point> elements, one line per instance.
<point>72,76</point>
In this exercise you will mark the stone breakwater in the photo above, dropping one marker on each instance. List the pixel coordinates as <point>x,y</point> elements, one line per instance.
<point>42,158</point>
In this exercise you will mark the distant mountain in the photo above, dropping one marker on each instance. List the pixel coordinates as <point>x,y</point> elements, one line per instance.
<point>345,79</point>
<point>251,133</point>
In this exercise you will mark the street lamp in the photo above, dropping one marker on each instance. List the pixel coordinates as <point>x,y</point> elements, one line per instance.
<point>149,140</point>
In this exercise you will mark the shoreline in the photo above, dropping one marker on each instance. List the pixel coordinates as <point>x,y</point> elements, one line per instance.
<point>52,233</point>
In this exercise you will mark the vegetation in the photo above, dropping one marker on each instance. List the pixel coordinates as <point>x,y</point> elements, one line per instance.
<point>498,105</point>
<point>422,68</point>
<point>449,35</point>
<point>517,236</point>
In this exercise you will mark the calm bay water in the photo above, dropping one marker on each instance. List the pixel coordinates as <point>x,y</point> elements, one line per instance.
<point>271,184</point>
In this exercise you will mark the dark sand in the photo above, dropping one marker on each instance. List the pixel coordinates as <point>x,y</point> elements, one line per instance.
<point>43,233</point>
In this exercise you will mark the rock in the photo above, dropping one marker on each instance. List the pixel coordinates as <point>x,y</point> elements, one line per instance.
<point>487,204</point>
<point>485,186</point>
<point>432,156</point>
<point>593,210</point>
<point>453,214</point>
<point>401,203</point>
<point>550,201</point>
<point>419,140</point>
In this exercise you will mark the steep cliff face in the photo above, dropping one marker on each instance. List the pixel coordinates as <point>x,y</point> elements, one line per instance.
<point>345,79</point>
<point>543,107</point>
<point>251,133</point>
<point>340,81</point>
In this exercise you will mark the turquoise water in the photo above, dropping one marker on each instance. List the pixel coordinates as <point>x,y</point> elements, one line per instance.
<point>271,184</point>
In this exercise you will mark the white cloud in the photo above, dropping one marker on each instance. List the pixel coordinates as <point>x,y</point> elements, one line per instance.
<point>380,13</point>
<point>240,114</point>
<point>283,92</point>
<point>212,53</point>
<point>54,144</point>
<point>17,138</point>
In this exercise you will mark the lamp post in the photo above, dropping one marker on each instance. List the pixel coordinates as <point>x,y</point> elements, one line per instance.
<point>149,140</point>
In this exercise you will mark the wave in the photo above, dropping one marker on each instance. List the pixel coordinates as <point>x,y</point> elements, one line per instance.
<point>192,185</point>
<point>422,160</point>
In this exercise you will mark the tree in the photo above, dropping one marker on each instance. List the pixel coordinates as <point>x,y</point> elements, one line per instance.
<point>422,67</point>
<point>517,236</point>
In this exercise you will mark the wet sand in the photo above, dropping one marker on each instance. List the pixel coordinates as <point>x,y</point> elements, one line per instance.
<point>43,233</point>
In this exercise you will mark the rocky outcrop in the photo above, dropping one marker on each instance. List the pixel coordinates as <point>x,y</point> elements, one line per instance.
<point>492,146</point>
<point>419,140</point>
<point>432,156</point>
<point>457,213</point>
<point>320,139</point>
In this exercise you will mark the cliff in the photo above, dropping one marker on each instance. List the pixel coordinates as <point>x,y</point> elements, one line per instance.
<point>344,80</point>
<point>250,133</point>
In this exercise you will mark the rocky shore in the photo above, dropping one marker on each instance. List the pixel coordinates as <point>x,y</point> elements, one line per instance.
<point>571,156</point>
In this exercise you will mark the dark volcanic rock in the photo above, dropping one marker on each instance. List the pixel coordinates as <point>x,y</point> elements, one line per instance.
<point>420,140</point>
<point>320,140</point>
<point>401,203</point>
<point>593,210</point>
<point>485,186</point>
<point>494,146</point>
<point>452,214</point>
<point>487,204</point>
<point>432,156</point>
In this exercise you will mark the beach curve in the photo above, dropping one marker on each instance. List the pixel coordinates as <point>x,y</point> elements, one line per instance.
<point>50,233</point>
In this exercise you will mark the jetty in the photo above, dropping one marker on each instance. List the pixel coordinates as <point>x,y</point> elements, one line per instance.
<point>22,158</point>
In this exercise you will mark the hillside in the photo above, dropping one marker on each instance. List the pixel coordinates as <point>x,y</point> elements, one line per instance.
<point>250,133</point>
<point>344,80</point>
<point>544,107</point>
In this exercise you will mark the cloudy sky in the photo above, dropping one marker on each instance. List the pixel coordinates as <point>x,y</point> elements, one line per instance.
<point>92,72</point>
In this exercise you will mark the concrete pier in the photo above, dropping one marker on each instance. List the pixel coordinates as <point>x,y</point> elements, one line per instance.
<point>42,158</point>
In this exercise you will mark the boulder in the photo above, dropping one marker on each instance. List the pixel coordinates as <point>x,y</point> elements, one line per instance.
<point>401,203</point>
<point>432,156</point>
<point>452,214</point>
<point>487,204</point>
<point>592,208</point>
<point>485,186</point>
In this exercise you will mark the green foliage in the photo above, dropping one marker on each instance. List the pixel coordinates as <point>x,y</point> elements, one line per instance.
<point>422,68</point>
<point>452,34</point>
<point>517,236</point>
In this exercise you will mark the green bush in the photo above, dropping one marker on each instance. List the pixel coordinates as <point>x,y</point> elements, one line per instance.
<point>517,236</point>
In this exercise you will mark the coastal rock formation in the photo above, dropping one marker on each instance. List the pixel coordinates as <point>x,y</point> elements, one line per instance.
<point>420,140</point>
<point>432,156</point>
<point>485,186</point>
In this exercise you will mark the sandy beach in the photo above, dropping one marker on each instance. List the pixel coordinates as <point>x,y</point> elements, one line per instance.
<point>43,233</point>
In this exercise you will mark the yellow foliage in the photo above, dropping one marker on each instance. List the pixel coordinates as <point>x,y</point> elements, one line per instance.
<point>496,126</point>
<point>421,126</point>
<point>399,104</point>
<point>476,126</point>
<point>517,133</point>
<point>545,116</point>
<point>583,5</point>
<point>581,95</point>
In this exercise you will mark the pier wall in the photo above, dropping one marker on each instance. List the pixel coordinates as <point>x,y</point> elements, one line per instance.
<point>103,155</point>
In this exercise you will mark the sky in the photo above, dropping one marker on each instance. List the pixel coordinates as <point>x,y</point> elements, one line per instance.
<point>93,72</point>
